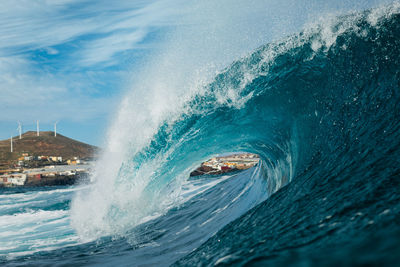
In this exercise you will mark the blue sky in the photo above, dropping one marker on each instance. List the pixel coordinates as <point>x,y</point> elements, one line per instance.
<point>72,61</point>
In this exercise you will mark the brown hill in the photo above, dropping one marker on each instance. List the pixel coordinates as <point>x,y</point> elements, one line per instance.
<point>45,145</point>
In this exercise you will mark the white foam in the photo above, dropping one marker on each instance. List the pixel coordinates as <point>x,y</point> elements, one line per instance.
<point>33,231</point>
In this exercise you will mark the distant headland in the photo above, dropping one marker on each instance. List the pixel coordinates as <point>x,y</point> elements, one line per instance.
<point>44,158</point>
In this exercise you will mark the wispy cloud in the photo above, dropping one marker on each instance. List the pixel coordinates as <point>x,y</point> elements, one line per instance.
<point>35,24</point>
<point>103,50</point>
<point>54,55</point>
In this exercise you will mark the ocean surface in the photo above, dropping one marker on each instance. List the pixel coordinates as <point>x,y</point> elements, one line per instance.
<point>320,107</point>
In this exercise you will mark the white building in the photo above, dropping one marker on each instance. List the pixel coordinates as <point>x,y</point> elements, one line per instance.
<point>17,179</point>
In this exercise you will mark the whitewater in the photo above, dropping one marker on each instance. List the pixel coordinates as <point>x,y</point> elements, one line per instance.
<point>319,106</point>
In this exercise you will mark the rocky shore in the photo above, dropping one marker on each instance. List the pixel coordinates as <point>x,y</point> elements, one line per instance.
<point>206,170</point>
<point>58,180</point>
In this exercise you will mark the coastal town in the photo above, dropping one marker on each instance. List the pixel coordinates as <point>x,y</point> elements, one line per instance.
<point>44,159</point>
<point>225,164</point>
<point>45,171</point>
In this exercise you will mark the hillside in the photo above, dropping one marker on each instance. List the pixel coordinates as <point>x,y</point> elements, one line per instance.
<point>45,145</point>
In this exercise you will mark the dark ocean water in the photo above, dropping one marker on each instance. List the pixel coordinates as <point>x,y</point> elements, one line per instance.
<point>321,108</point>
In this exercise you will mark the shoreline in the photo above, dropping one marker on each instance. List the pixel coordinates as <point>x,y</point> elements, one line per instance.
<point>226,164</point>
<point>47,176</point>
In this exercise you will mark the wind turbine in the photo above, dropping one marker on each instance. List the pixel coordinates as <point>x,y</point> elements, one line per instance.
<point>20,129</point>
<point>55,129</point>
<point>11,145</point>
<point>37,128</point>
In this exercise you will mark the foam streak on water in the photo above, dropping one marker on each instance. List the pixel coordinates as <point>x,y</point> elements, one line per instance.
<point>32,221</point>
